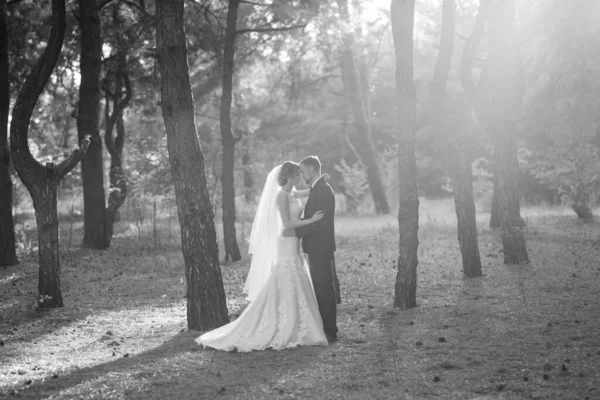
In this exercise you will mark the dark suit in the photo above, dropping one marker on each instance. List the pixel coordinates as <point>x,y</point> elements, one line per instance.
<point>318,242</point>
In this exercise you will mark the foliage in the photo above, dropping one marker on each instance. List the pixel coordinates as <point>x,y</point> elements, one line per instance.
<point>567,169</point>
<point>353,184</point>
<point>288,92</point>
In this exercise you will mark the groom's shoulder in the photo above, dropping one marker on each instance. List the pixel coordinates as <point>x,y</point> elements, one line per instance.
<point>325,187</point>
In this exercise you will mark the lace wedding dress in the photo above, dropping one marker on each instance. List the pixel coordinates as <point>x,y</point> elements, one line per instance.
<point>284,313</point>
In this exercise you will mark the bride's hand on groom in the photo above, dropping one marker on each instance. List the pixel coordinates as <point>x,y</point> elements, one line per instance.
<point>316,216</point>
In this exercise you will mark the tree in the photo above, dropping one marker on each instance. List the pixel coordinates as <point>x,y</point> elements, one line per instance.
<point>561,104</point>
<point>94,203</point>
<point>206,303</point>
<point>227,139</point>
<point>118,93</point>
<point>403,18</point>
<point>495,212</point>
<point>356,90</point>
<point>497,99</point>
<point>458,162</point>
<point>42,181</point>
<point>8,254</point>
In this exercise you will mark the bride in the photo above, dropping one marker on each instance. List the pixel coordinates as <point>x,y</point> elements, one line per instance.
<point>283,310</point>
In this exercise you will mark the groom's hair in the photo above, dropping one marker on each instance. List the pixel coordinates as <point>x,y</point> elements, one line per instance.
<point>312,161</point>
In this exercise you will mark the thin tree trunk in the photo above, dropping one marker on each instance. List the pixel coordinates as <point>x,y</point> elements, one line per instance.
<point>496,99</point>
<point>120,100</point>
<point>92,175</point>
<point>227,179</point>
<point>8,252</point>
<point>248,176</point>
<point>495,211</point>
<point>42,182</point>
<point>453,149</point>
<point>464,203</point>
<point>403,18</point>
<point>206,302</point>
<point>505,92</point>
<point>364,140</point>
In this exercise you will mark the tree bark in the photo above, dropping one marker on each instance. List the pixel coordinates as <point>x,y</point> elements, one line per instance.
<point>454,151</point>
<point>42,182</point>
<point>505,93</point>
<point>497,102</point>
<point>92,175</point>
<point>403,18</point>
<point>363,137</point>
<point>495,211</point>
<point>581,204</point>
<point>120,100</point>
<point>206,303</point>
<point>8,251</point>
<point>248,176</point>
<point>227,179</point>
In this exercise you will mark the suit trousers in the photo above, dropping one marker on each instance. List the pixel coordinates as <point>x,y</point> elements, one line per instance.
<point>321,272</point>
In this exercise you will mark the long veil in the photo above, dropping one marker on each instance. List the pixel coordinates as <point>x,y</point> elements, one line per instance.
<point>266,228</point>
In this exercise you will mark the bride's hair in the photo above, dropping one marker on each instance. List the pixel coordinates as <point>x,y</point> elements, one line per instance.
<point>289,169</point>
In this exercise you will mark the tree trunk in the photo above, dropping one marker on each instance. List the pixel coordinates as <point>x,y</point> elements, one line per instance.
<point>454,149</point>
<point>42,182</point>
<point>581,204</point>
<point>363,137</point>
<point>248,176</point>
<point>206,303</point>
<point>505,92</point>
<point>462,182</point>
<point>227,179</point>
<point>497,103</point>
<point>402,18</point>
<point>8,252</point>
<point>46,217</point>
<point>92,175</point>
<point>120,99</point>
<point>495,211</point>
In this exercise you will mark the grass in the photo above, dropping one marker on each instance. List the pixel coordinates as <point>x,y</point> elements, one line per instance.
<point>519,332</point>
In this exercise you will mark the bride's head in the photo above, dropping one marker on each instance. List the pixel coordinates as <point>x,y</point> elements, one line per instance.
<point>288,174</point>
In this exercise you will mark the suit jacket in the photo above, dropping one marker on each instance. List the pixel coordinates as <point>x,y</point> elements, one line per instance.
<point>319,237</point>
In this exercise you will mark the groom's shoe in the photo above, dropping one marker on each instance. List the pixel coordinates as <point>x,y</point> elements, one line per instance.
<point>331,339</point>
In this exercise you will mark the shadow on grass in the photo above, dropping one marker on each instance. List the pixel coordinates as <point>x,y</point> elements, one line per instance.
<point>178,367</point>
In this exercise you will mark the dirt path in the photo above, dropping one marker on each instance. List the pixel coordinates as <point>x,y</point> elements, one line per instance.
<point>518,332</point>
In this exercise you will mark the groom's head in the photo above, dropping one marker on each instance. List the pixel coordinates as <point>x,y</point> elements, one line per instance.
<point>310,169</point>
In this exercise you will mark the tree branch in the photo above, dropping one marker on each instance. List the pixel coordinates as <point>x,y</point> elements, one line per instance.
<point>77,155</point>
<point>105,3</point>
<point>262,30</point>
<point>25,164</point>
<point>322,78</point>
<point>255,4</point>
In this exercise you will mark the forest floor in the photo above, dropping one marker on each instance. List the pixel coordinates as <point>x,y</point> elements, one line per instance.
<point>518,332</point>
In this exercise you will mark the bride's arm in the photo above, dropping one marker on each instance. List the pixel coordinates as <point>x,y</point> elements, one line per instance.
<point>283,208</point>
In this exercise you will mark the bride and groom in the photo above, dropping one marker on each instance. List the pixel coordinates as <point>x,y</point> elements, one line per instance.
<point>292,303</point>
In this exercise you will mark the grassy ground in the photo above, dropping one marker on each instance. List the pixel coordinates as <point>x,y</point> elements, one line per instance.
<point>519,332</point>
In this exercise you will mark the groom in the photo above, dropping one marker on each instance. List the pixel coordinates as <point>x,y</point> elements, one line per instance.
<point>318,242</point>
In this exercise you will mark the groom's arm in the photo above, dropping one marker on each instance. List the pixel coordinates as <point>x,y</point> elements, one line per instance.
<point>326,203</point>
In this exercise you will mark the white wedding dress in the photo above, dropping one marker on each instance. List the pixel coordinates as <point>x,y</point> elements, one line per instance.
<point>284,313</point>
